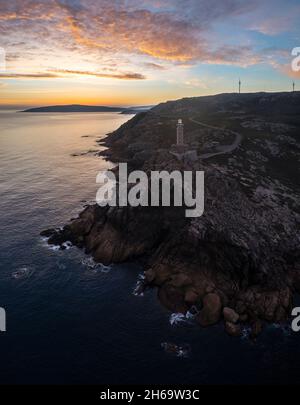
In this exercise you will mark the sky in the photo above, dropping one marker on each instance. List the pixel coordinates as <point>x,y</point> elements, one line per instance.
<point>142,52</point>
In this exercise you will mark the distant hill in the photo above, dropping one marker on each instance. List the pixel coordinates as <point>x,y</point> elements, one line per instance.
<point>85,108</point>
<point>74,108</point>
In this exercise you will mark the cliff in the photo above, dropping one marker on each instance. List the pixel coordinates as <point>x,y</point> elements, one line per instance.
<point>239,261</point>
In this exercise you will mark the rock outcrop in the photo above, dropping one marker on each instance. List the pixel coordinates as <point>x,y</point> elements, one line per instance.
<point>239,261</point>
<point>211,312</point>
<point>230,315</point>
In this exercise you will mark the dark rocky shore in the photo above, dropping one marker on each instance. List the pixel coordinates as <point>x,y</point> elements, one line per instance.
<point>239,262</point>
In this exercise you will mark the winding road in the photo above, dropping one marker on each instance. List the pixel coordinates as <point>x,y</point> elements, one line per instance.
<point>223,148</point>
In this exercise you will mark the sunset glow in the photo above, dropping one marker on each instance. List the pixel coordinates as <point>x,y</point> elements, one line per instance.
<point>143,52</point>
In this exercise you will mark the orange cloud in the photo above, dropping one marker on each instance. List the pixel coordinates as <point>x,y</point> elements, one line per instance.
<point>28,76</point>
<point>120,32</point>
<point>120,75</point>
<point>288,71</point>
<point>54,74</point>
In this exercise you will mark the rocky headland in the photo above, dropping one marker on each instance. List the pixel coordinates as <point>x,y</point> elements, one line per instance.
<point>239,261</point>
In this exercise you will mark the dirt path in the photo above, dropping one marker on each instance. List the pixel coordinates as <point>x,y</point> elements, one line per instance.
<point>222,149</point>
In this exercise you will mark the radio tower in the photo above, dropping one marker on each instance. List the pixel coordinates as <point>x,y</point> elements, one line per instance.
<point>240,83</point>
<point>293,87</point>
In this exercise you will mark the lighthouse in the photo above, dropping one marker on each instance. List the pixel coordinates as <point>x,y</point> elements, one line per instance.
<point>180,126</point>
<point>181,150</point>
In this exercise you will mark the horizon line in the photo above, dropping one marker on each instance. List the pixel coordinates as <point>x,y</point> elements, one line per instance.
<point>28,106</point>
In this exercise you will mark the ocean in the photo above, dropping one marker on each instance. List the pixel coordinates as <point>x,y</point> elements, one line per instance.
<point>69,321</point>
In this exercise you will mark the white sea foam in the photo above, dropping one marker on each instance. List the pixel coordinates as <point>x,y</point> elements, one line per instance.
<point>90,264</point>
<point>283,327</point>
<point>22,272</point>
<point>192,312</point>
<point>179,318</point>
<point>55,248</point>
<point>246,332</point>
<point>45,244</point>
<point>139,288</point>
<point>67,245</point>
<point>105,269</point>
<point>182,351</point>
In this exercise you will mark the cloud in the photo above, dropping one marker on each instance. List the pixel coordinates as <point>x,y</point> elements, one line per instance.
<point>54,74</point>
<point>163,31</point>
<point>273,26</point>
<point>140,31</point>
<point>276,17</point>
<point>27,10</point>
<point>229,55</point>
<point>87,37</point>
<point>195,82</point>
<point>281,61</point>
<point>154,66</point>
<point>120,75</point>
<point>288,71</point>
<point>28,75</point>
<point>172,37</point>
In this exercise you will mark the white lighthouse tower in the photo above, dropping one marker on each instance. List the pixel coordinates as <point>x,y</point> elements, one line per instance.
<point>180,138</point>
<point>181,150</point>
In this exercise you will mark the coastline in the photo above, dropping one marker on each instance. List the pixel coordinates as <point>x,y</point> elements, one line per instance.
<point>236,263</point>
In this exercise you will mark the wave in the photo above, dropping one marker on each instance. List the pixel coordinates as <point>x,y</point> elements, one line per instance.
<point>140,286</point>
<point>178,350</point>
<point>90,264</point>
<point>22,272</point>
<point>177,318</point>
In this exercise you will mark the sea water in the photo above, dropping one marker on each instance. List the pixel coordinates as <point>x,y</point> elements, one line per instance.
<point>69,320</point>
